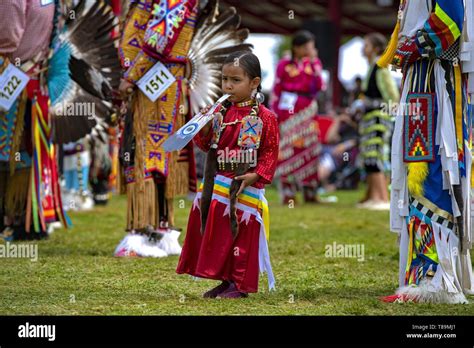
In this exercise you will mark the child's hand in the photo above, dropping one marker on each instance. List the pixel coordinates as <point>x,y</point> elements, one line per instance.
<point>247,180</point>
<point>205,109</point>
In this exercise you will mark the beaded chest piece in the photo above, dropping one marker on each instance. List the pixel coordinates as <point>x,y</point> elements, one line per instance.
<point>250,131</point>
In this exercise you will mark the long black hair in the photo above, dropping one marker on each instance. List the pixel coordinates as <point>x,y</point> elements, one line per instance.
<point>248,62</point>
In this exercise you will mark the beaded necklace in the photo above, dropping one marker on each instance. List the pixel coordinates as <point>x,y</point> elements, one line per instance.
<point>245,103</point>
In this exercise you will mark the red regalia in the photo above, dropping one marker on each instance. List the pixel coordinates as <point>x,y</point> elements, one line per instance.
<point>297,84</point>
<point>218,253</point>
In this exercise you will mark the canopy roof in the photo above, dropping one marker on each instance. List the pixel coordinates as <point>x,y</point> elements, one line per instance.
<point>356,17</point>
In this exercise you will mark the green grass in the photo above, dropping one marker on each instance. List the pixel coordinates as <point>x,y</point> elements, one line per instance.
<point>76,273</point>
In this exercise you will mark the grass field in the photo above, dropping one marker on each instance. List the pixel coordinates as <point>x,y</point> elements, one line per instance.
<point>76,273</point>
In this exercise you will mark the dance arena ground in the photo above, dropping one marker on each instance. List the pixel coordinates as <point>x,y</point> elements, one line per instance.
<point>329,259</point>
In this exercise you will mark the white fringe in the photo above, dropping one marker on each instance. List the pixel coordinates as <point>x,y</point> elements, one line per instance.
<point>169,243</point>
<point>425,293</point>
<point>140,245</point>
<point>453,277</point>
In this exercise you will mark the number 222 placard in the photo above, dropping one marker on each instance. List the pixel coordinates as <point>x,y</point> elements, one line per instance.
<point>156,81</point>
<point>12,82</point>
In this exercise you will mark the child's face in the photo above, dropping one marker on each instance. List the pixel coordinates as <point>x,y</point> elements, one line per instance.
<point>237,83</point>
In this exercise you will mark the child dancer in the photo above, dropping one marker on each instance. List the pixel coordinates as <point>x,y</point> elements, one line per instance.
<point>228,225</point>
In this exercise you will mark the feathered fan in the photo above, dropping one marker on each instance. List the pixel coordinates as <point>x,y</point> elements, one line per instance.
<point>216,36</point>
<point>83,71</point>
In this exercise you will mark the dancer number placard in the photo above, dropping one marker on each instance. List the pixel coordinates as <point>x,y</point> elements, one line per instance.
<point>12,82</point>
<point>156,81</point>
<point>287,101</point>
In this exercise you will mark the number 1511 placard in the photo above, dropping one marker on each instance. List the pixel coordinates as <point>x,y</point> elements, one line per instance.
<point>156,81</point>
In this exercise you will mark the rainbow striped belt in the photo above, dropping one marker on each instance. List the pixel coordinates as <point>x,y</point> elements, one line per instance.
<point>251,200</point>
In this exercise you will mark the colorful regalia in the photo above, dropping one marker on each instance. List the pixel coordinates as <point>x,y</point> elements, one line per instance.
<point>192,43</point>
<point>51,51</point>
<point>156,31</point>
<point>25,129</point>
<point>431,152</point>
<point>376,125</point>
<point>231,242</point>
<point>297,85</point>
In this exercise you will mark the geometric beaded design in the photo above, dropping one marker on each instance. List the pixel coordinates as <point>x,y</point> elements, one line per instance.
<point>418,131</point>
